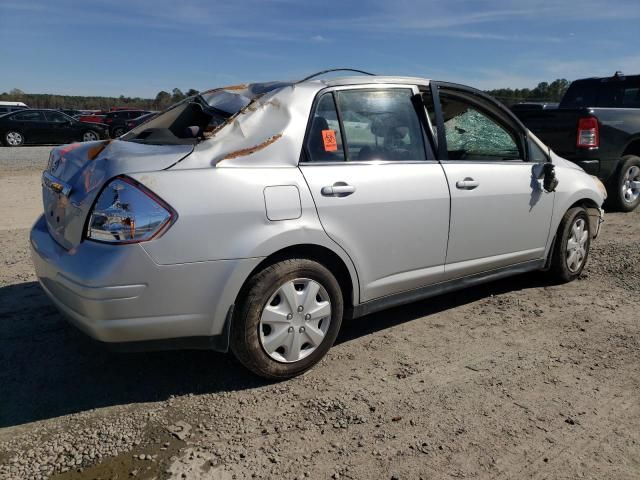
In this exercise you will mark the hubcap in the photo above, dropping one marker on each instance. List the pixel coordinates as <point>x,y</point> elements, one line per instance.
<point>89,137</point>
<point>631,184</point>
<point>577,245</point>
<point>295,320</point>
<point>14,138</point>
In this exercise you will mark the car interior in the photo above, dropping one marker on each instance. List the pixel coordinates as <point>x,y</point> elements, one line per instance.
<point>377,126</point>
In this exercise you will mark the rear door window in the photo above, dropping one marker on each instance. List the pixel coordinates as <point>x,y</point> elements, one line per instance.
<point>29,116</point>
<point>380,124</point>
<point>56,117</point>
<point>324,139</point>
<point>580,94</point>
<point>631,96</point>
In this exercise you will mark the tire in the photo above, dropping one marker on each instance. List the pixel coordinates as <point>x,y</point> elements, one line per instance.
<point>90,136</point>
<point>266,328</point>
<point>13,138</point>
<point>571,249</point>
<point>624,197</point>
<point>118,132</point>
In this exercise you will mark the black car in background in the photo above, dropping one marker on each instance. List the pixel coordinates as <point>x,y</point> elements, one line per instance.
<point>140,120</point>
<point>117,120</point>
<point>46,126</point>
<point>597,126</point>
<point>72,112</point>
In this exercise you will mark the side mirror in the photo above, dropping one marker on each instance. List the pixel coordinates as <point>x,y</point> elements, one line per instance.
<point>550,181</point>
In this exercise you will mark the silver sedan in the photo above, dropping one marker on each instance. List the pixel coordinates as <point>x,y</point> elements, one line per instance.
<point>256,217</point>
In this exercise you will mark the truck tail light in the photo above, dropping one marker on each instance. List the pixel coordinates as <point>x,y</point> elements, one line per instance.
<point>127,212</point>
<point>588,133</point>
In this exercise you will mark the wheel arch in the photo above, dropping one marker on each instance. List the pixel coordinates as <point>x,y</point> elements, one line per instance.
<point>321,254</point>
<point>632,148</point>
<point>584,197</point>
<point>593,211</point>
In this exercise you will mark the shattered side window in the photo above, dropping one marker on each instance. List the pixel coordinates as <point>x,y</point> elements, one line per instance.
<point>473,135</point>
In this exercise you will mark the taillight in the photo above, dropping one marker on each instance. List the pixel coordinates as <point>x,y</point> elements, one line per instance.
<point>127,212</point>
<point>588,133</point>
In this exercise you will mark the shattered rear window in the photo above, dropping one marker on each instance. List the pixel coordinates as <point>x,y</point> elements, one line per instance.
<point>195,118</point>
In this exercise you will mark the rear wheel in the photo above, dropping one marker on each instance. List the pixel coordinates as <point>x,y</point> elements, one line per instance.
<point>118,132</point>
<point>625,196</point>
<point>572,245</point>
<point>287,319</point>
<point>13,138</point>
<point>90,136</point>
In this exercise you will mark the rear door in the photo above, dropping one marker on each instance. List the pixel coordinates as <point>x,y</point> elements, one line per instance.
<point>378,190</point>
<point>500,214</point>
<point>33,125</point>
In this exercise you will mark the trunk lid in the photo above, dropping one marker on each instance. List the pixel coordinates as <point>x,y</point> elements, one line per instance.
<point>77,173</point>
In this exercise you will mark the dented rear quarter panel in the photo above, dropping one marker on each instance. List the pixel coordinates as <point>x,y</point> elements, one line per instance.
<point>268,133</point>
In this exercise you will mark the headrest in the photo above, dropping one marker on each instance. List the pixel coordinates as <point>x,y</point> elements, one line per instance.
<point>319,123</point>
<point>383,125</point>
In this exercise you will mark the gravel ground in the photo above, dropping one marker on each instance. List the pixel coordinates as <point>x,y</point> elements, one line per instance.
<point>15,161</point>
<point>515,379</point>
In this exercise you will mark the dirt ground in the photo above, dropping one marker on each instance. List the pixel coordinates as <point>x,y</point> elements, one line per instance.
<point>515,379</point>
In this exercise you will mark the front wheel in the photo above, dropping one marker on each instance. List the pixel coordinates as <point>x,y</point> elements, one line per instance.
<point>117,132</point>
<point>13,139</point>
<point>287,319</point>
<point>572,245</point>
<point>90,136</point>
<point>626,186</point>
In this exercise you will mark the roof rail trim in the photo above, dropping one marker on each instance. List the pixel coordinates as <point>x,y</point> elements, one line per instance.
<point>317,74</point>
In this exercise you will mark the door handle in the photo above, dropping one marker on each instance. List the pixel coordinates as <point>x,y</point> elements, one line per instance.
<point>338,189</point>
<point>467,184</point>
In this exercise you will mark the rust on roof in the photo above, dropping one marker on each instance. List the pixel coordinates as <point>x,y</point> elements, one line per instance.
<point>251,150</point>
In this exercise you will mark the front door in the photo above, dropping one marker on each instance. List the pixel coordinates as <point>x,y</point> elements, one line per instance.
<point>500,214</point>
<point>60,127</point>
<point>378,190</point>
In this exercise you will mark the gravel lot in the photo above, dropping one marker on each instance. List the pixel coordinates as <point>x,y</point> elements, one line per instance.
<point>515,379</point>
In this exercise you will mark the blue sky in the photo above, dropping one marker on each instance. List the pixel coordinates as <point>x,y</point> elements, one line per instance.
<point>139,47</point>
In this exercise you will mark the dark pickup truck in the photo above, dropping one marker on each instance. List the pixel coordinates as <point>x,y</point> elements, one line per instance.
<point>597,126</point>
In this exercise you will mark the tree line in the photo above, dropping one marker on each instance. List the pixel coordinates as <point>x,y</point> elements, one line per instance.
<point>45,100</point>
<point>544,92</point>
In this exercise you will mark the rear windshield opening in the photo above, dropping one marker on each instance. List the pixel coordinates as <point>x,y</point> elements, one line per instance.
<point>181,124</point>
<point>197,117</point>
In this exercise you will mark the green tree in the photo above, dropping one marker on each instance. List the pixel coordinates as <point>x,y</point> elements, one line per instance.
<point>177,95</point>
<point>162,101</point>
<point>543,92</point>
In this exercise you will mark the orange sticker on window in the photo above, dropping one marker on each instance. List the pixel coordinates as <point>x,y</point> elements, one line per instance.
<point>329,140</point>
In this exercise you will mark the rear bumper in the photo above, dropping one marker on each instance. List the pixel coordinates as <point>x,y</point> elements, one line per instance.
<point>116,293</point>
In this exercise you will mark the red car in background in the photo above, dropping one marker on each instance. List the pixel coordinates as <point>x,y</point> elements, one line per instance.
<point>96,116</point>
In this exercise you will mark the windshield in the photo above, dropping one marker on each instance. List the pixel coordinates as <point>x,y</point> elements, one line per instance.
<point>197,117</point>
